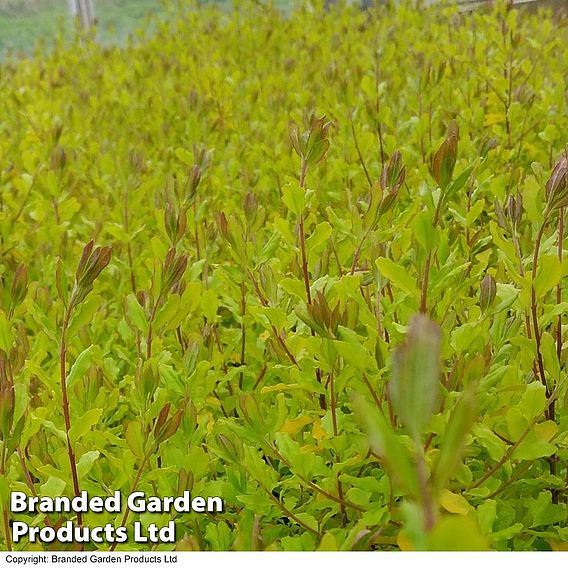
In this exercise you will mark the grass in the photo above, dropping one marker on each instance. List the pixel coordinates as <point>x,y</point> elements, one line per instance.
<point>27,23</point>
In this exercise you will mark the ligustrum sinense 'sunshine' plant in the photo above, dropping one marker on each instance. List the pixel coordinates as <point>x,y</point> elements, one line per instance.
<point>336,296</point>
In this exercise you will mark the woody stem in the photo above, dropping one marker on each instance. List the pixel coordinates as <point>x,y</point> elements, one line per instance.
<point>66,410</point>
<point>303,239</point>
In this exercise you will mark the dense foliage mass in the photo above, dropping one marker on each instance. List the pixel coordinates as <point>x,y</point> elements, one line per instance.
<point>327,281</point>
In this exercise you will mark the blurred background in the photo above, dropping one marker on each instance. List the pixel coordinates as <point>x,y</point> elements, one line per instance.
<point>26,24</point>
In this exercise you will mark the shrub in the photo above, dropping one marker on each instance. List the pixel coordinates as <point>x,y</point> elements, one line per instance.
<point>335,295</point>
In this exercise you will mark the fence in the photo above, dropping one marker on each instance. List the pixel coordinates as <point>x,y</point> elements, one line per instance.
<point>84,10</point>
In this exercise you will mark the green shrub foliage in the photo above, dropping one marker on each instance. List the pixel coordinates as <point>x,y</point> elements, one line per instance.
<point>312,263</point>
